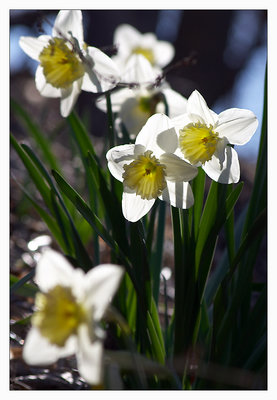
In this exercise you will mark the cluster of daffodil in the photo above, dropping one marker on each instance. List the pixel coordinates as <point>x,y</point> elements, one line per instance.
<point>167,149</point>
<point>164,158</point>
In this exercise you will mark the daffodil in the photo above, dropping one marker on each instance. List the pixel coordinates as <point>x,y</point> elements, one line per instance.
<point>135,105</point>
<point>130,41</point>
<point>69,307</point>
<point>67,64</point>
<point>206,139</point>
<point>150,169</point>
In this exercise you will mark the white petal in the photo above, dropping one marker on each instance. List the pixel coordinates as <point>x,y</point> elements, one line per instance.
<point>134,207</point>
<point>89,357</point>
<point>69,98</point>
<point>139,70</point>
<point>132,116</point>
<point>119,156</point>
<point>177,104</point>
<point>126,37</point>
<point>90,82</point>
<point>33,46</point>
<point>53,269</point>
<point>226,172</point>
<point>69,21</point>
<point>148,40</point>
<point>117,99</point>
<point>164,53</point>
<point>105,70</point>
<point>180,122</point>
<point>177,170</point>
<point>178,194</point>
<point>158,135</point>
<point>101,283</point>
<point>43,87</point>
<point>197,105</point>
<point>238,125</point>
<point>38,350</point>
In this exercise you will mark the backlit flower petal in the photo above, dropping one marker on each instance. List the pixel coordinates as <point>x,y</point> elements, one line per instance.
<point>125,37</point>
<point>158,126</point>
<point>130,41</point>
<point>177,170</point>
<point>101,283</point>
<point>43,87</point>
<point>105,70</point>
<point>69,98</point>
<point>139,70</point>
<point>132,116</point>
<point>178,194</point>
<point>117,99</point>
<point>177,104</point>
<point>226,172</point>
<point>54,269</point>
<point>164,53</point>
<point>119,156</point>
<point>197,105</point>
<point>69,21</point>
<point>89,357</point>
<point>134,207</point>
<point>38,350</point>
<point>237,125</point>
<point>33,46</point>
<point>181,121</point>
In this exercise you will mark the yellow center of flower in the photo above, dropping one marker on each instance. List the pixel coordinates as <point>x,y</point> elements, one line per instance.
<point>58,315</point>
<point>145,175</point>
<point>61,66</point>
<point>198,142</point>
<point>147,53</point>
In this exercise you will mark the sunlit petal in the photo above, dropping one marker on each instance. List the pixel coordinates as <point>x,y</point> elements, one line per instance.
<point>237,125</point>
<point>226,172</point>
<point>101,284</point>
<point>134,207</point>
<point>178,194</point>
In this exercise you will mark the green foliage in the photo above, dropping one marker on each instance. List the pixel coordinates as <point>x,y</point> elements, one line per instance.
<point>219,309</point>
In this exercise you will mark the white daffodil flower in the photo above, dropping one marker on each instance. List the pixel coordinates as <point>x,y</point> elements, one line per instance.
<point>150,169</point>
<point>66,64</point>
<point>135,105</point>
<point>69,308</point>
<point>206,138</point>
<point>130,41</point>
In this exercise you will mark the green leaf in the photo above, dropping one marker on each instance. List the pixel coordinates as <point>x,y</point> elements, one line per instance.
<point>223,265</point>
<point>216,212</point>
<point>40,138</point>
<point>34,174</point>
<point>20,285</point>
<point>254,328</point>
<point>80,134</point>
<point>157,251</point>
<point>198,188</point>
<point>113,208</point>
<point>49,221</point>
<point>157,349</point>
<point>80,251</point>
<point>92,219</point>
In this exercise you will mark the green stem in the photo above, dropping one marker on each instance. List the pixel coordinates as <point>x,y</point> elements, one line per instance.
<point>111,135</point>
<point>179,270</point>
